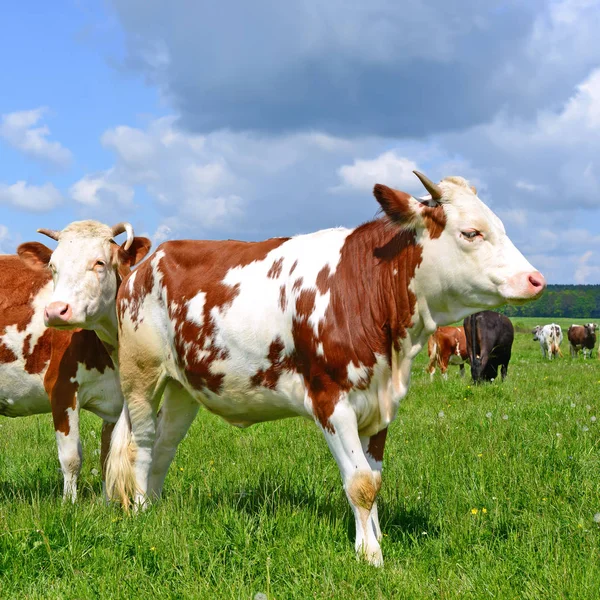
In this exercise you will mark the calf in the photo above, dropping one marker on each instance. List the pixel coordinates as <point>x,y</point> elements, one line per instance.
<point>447,346</point>
<point>324,325</point>
<point>550,338</point>
<point>582,337</point>
<point>490,337</point>
<point>47,370</point>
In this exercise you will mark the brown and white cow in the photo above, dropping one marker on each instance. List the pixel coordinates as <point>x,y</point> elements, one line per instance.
<point>447,346</point>
<point>582,337</point>
<point>324,325</point>
<point>45,370</point>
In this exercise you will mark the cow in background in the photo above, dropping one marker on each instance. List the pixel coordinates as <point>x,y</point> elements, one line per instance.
<point>550,338</point>
<point>43,370</point>
<point>490,337</point>
<point>582,337</point>
<point>447,346</point>
<point>47,370</point>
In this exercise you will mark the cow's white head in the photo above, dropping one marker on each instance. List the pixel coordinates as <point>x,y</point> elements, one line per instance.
<point>87,267</point>
<point>468,262</point>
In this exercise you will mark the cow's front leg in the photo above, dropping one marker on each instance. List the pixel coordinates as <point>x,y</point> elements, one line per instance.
<point>361,483</point>
<point>373,447</point>
<point>66,425</point>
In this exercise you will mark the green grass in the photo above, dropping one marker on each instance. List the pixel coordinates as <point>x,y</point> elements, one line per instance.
<point>262,510</point>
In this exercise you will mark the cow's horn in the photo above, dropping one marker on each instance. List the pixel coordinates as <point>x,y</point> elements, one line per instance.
<point>434,189</point>
<point>122,228</point>
<point>51,233</point>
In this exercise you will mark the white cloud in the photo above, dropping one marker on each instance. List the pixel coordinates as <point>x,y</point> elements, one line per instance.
<point>528,187</point>
<point>161,234</point>
<point>19,130</point>
<point>517,217</point>
<point>94,190</point>
<point>30,197</point>
<point>207,183</point>
<point>585,270</point>
<point>387,168</point>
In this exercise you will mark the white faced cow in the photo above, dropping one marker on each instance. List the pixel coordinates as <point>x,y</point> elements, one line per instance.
<point>550,338</point>
<point>324,325</point>
<point>45,370</point>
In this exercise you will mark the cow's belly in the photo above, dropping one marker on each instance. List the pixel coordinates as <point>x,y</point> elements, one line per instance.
<point>242,404</point>
<point>456,360</point>
<point>100,393</point>
<point>21,394</point>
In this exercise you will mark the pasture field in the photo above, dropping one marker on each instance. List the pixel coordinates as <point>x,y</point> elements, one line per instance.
<point>488,492</point>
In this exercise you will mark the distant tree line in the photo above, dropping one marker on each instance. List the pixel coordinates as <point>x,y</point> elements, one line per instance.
<point>572,301</point>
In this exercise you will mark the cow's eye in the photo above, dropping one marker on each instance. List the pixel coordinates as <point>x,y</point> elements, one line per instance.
<point>470,234</point>
<point>100,264</point>
<point>52,268</point>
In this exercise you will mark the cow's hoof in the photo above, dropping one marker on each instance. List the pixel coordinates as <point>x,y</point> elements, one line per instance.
<point>373,556</point>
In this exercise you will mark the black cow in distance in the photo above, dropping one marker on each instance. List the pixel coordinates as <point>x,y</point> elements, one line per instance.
<point>490,337</point>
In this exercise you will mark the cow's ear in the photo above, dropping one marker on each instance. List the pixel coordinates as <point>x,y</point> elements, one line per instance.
<point>34,255</point>
<point>137,251</point>
<point>398,206</point>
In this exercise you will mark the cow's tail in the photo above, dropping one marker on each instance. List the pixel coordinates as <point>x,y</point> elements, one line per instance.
<point>120,474</point>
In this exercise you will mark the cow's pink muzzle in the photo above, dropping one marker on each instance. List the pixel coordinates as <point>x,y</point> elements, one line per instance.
<point>528,285</point>
<point>57,314</point>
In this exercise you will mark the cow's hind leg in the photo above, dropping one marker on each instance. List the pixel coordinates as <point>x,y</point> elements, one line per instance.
<point>143,380</point>
<point>462,369</point>
<point>361,483</point>
<point>373,447</point>
<point>177,412</point>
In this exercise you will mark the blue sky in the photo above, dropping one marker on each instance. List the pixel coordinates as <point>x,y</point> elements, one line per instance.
<point>233,119</point>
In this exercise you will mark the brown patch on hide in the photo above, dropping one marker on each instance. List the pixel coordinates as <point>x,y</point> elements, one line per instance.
<point>363,489</point>
<point>435,220</point>
<point>270,376</point>
<point>282,298</point>
<point>376,445</point>
<point>275,270</point>
<point>68,350</point>
<point>323,279</point>
<point>19,285</point>
<point>37,358</point>
<point>6,354</point>
<point>293,267</point>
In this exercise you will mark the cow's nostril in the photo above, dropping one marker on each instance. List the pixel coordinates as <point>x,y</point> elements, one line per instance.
<point>64,310</point>
<point>537,280</point>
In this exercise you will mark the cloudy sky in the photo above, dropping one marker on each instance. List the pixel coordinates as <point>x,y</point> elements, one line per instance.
<point>245,119</point>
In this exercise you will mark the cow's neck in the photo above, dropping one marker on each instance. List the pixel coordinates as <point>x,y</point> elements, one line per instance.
<point>385,278</point>
<point>107,331</point>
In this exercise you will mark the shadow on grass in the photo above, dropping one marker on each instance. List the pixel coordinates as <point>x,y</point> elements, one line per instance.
<point>327,505</point>
<point>43,487</point>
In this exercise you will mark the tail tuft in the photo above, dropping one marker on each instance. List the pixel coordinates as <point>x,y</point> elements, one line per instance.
<point>120,476</point>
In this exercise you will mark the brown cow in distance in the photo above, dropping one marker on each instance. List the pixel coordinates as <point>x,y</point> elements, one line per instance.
<point>447,346</point>
<point>582,337</point>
